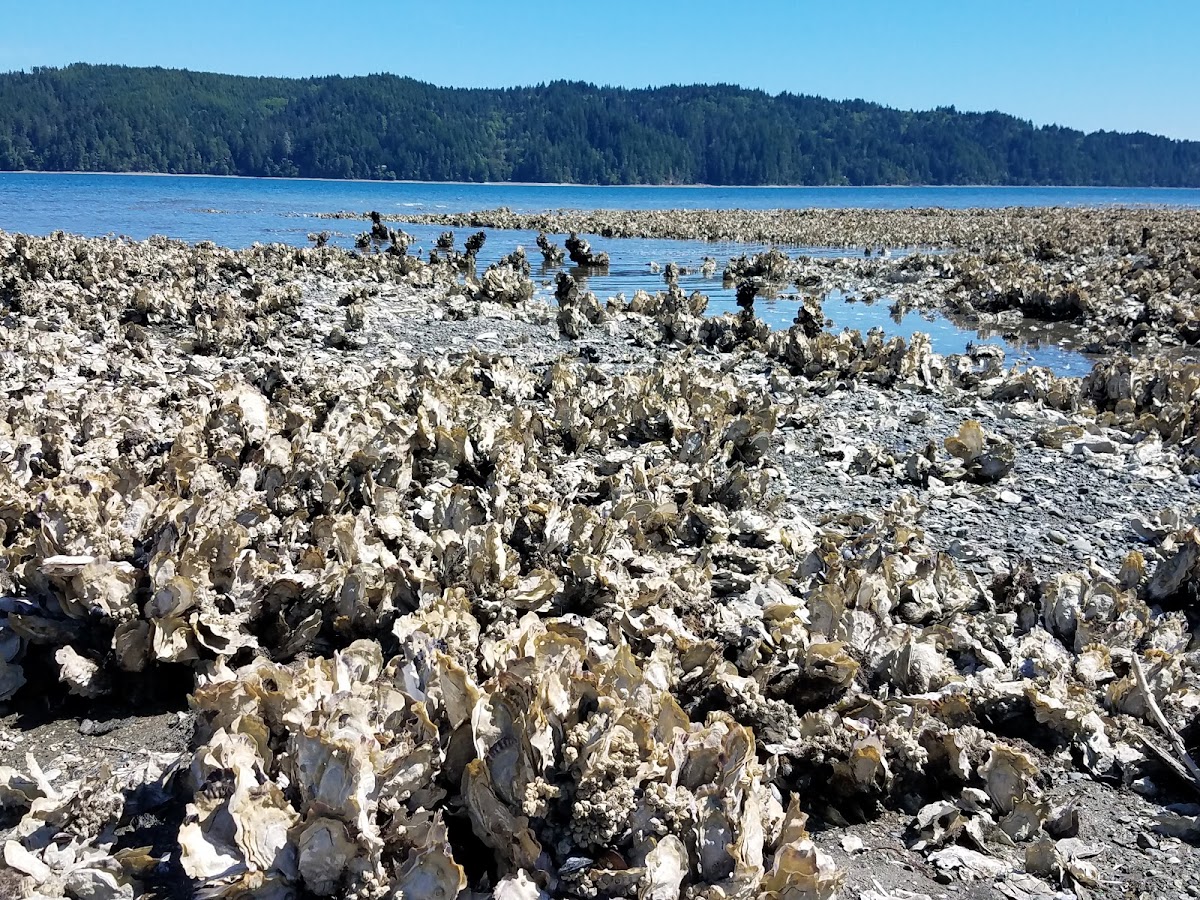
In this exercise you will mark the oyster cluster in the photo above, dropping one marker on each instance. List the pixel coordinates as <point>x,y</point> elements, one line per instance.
<point>577,310</point>
<point>507,280</point>
<point>477,625</point>
<point>582,254</point>
<point>1045,231</point>
<point>1127,278</point>
<point>552,254</point>
<point>771,266</point>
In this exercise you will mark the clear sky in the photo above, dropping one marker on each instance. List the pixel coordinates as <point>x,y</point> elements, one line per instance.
<point>1090,64</point>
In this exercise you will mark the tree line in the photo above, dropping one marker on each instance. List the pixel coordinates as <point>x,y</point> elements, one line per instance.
<point>121,119</point>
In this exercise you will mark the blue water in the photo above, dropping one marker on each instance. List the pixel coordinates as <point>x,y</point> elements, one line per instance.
<point>237,212</point>
<point>257,209</point>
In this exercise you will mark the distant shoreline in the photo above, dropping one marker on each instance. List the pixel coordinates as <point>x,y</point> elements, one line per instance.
<point>561,184</point>
<point>380,127</point>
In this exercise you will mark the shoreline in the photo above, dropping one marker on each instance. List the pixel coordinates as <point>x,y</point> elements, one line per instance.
<point>575,185</point>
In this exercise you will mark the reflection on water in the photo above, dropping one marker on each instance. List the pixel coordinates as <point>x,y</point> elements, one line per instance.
<point>630,271</point>
<point>1052,351</point>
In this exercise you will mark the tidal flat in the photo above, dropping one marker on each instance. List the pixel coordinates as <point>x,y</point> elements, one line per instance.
<point>366,573</point>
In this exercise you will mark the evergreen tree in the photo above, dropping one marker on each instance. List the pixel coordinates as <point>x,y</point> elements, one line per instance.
<point>114,118</point>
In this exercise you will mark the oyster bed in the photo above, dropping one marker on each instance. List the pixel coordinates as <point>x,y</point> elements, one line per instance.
<point>430,589</point>
<point>1127,278</point>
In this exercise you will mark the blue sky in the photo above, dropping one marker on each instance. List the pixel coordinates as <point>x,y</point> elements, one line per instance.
<point>1091,65</point>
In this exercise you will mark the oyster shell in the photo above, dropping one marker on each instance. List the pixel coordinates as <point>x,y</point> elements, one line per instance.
<point>573,606</point>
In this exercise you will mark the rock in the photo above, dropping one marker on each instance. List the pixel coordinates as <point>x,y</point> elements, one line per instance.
<point>966,865</point>
<point>852,844</point>
<point>1089,445</point>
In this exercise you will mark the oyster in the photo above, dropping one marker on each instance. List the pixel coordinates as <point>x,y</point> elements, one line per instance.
<point>553,620</point>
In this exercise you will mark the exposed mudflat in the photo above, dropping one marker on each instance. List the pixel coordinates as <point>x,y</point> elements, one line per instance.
<point>361,575</point>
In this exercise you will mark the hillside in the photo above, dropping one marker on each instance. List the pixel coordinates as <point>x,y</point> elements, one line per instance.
<point>114,118</point>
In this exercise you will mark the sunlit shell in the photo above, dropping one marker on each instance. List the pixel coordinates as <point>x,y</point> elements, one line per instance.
<point>568,605</point>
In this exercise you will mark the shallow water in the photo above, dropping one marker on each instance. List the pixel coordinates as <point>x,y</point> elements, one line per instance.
<point>237,212</point>
<point>258,209</point>
<point>1052,351</point>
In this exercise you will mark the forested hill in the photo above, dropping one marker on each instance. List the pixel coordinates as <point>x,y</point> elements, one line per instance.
<point>113,118</point>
